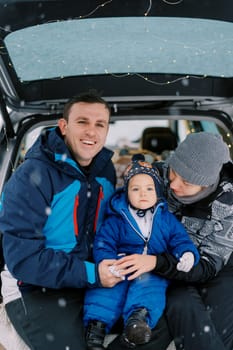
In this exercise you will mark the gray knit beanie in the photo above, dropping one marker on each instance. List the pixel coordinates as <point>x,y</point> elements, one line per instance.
<point>199,158</point>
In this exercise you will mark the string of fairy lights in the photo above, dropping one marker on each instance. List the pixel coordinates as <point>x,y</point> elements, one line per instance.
<point>175,2</point>
<point>142,76</point>
<point>146,13</point>
<point>184,78</point>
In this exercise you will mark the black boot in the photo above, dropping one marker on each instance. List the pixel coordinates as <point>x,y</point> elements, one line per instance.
<point>136,330</point>
<point>95,335</point>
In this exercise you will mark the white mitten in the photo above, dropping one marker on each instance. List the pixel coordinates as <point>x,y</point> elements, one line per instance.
<point>186,262</point>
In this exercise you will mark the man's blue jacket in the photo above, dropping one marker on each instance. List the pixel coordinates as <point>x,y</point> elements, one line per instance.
<point>48,215</point>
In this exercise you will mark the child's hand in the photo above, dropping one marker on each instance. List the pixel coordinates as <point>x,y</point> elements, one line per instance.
<point>133,266</point>
<point>186,262</point>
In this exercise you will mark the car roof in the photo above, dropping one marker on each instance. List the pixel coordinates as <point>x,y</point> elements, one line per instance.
<point>51,50</point>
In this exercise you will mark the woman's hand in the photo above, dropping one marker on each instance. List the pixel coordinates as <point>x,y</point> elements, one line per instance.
<point>135,265</point>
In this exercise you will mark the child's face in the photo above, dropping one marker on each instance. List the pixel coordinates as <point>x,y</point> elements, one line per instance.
<point>141,191</point>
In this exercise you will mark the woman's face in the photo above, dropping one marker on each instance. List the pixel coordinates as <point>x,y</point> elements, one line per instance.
<point>181,187</point>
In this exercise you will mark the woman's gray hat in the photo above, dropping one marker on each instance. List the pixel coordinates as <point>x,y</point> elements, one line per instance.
<point>199,158</point>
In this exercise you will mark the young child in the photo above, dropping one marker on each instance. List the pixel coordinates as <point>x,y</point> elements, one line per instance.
<point>137,221</point>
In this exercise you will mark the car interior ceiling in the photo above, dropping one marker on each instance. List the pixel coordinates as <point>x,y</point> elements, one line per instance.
<point>155,142</point>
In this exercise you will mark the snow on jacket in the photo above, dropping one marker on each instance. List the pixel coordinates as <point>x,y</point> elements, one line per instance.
<point>120,234</point>
<point>209,223</point>
<point>48,215</point>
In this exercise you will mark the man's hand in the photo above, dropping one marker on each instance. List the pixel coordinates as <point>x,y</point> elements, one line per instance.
<point>135,265</point>
<point>107,278</point>
<point>186,262</point>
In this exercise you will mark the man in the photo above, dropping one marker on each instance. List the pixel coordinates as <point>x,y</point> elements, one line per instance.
<point>50,210</point>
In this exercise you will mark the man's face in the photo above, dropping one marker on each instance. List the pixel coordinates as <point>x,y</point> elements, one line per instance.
<point>181,187</point>
<point>86,130</point>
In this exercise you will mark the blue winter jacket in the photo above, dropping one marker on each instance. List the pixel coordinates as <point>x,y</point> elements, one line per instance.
<point>48,215</point>
<point>120,233</point>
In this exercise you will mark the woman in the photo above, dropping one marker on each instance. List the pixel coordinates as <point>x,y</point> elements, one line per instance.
<point>199,189</point>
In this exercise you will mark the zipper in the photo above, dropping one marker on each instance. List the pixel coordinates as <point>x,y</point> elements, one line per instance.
<point>75,215</point>
<point>146,240</point>
<point>100,197</point>
<point>145,249</point>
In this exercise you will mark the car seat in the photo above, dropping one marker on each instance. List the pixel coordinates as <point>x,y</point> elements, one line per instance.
<point>158,139</point>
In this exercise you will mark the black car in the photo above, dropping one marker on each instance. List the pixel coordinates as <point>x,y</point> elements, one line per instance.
<point>164,66</point>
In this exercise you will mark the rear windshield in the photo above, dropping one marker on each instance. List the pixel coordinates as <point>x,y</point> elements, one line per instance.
<point>122,45</point>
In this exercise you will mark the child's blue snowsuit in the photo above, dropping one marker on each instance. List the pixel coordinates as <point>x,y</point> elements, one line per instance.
<point>120,234</point>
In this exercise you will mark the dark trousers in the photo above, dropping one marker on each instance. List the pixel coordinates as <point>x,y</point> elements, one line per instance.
<point>202,317</point>
<point>199,318</point>
<point>49,319</point>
